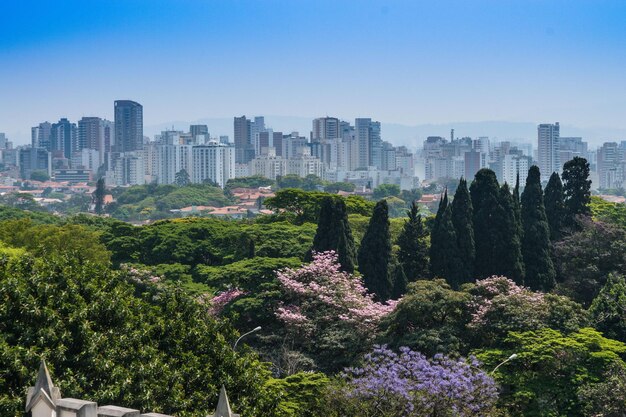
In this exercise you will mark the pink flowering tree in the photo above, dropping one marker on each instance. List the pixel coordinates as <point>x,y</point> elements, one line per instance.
<point>219,301</point>
<point>499,305</point>
<point>327,310</point>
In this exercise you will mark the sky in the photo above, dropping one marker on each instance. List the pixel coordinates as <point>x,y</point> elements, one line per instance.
<point>400,62</point>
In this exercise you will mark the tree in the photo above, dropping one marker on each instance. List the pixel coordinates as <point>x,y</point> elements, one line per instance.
<point>411,196</point>
<point>410,385</point>
<point>550,368</point>
<point>608,309</point>
<point>577,189</point>
<point>328,311</point>
<point>386,190</point>
<point>182,178</point>
<point>585,259</point>
<point>98,196</point>
<point>554,201</point>
<point>462,213</point>
<point>485,194</point>
<point>445,260</point>
<point>413,251</point>
<point>437,258</point>
<point>375,253</point>
<point>334,233</point>
<point>41,176</point>
<point>539,269</point>
<point>430,318</point>
<point>508,246</point>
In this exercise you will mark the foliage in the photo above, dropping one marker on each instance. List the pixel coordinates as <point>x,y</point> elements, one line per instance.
<point>306,205</point>
<point>114,338</point>
<point>430,318</point>
<point>46,240</point>
<point>577,189</point>
<point>409,384</point>
<point>607,397</point>
<point>485,194</point>
<point>554,201</point>
<point>329,310</point>
<point>41,176</point>
<point>585,258</point>
<point>445,258</point>
<point>539,269</point>
<point>508,246</point>
<point>462,213</point>
<point>309,183</point>
<point>334,233</point>
<point>374,254</point>
<point>181,178</point>
<point>13,213</point>
<point>608,309</point>
<point>303,394</point>
<point>98,196</point>
<point>255,181</point>
<point>550,368</point>
<point>607,212</point>
<point>412,246</point>
<point>386,190</point>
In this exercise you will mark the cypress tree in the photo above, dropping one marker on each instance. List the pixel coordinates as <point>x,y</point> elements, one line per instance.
<point>412,252</point>
<point>577,189</point>
<point>508,246</point>
<point>554,202</point>
<point>437,257</point>
<point>98,196</point>
<point>518,207</point>
<point>324,239</point>
<point>540,272</point>
<point>334,233</point>
<point>448,263</point>
<point>399,281</point>
<point>484,193</point>
<point>608,310</point>
<point>462,212</point>
<point>375,253</point>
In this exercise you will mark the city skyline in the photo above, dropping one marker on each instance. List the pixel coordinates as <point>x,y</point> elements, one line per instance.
<point>402,63</point>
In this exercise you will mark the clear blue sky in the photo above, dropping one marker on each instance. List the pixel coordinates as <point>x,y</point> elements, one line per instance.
<point>409,62</point>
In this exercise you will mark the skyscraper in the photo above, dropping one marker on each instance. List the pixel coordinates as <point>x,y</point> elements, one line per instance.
<point>325,128</point>
<point>128,126</point>
<point>242,140</point>
<point>549,152</point>
<point>40,136</point>
<point>63,138</point>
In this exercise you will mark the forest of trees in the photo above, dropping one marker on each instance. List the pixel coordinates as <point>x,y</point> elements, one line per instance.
<point>361,314</point>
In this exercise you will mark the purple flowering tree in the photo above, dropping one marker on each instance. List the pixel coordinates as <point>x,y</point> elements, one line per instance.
<point>409,384</point>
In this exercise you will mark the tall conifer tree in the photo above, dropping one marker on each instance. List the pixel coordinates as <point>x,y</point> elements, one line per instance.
<point>412,252</point>
<point>462,213</point>
<point>436,245</point>
<point>518,207</point>
<point>508,246</point>
<point>554,202</point>
<point>484,193</point>
<point>334,232</point>
<point>577,189</point>
<point>540,272</point>
<point>375,253</point>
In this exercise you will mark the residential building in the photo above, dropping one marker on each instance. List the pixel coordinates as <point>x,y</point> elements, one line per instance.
<point>549,151</point>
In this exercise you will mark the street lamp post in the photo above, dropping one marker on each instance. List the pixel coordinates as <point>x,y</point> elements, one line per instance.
<point>256,329</point>
<point>513,356</point>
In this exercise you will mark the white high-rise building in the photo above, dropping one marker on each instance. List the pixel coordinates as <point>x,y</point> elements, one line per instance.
<point>549,151</point>
<point>171,159</point>
<point>214,161</point>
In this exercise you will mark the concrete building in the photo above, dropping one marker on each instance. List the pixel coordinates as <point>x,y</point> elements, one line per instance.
<point>171,159</point>
<point>325,128</point>
<point>549,150</point>
<point>214,161</point>
<point>128,126</point>
<point>63,138</point>
<point>243,140</point>
<point>34,159</point>
<point>40,136</point>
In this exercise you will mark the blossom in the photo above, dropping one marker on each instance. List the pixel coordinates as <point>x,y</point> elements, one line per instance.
<point>321,292</point>
<point>420,386</point>
<point>222,299</point>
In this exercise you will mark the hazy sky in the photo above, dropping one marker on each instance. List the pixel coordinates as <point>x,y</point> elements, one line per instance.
<point>408,62</point>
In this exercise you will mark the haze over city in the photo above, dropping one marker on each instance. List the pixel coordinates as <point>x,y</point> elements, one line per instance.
<point>407,64</point>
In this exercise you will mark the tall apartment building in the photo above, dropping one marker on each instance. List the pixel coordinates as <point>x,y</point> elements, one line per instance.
<point>34,159</point>
<point>548,150</point>
<point>243,141</point>
<point>214,161</point>
<point>95,133</point>
<point>40,136</point>
<point>63,138</point>
<point>128,126</point>
<point>171,159</point>
<point>369,143</point>
<point>325,128</point>
<point>611,165</point>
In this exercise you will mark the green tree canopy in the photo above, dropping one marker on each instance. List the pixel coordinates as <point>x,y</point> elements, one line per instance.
<point>576,188</point>
<point>554,201</point>
<point>374,254</point>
